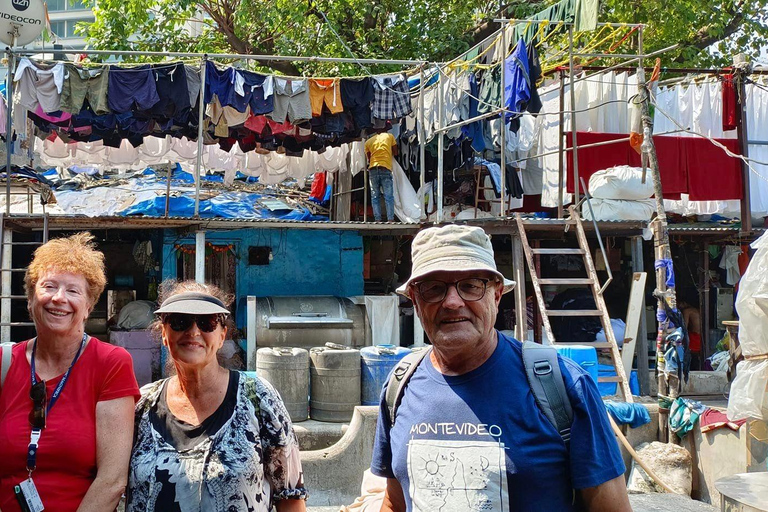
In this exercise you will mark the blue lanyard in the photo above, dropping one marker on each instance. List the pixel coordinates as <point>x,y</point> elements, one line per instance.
<point>34,438</point>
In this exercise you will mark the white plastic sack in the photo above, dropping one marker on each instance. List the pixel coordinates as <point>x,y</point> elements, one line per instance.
<point>621,182</point>
<point>619,209</point>
<point>407,207</point>
<point>749,390</point>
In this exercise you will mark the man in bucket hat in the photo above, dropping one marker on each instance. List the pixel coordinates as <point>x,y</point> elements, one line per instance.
<point>467,433</point>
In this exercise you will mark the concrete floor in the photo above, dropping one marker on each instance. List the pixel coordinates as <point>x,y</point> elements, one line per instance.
<point>640,503</point>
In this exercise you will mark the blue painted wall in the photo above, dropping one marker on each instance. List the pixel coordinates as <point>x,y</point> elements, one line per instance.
<point>304,262</point>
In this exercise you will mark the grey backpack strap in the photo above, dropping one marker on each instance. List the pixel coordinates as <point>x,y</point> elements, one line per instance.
<point>548,387</point>
<point>398,378</point>
<point>5,365</point>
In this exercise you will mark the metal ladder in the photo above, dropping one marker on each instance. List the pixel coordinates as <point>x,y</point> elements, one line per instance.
<point>591,280</point>
<point>7,270</point>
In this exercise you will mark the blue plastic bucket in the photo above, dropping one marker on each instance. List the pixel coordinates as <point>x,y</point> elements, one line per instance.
<point>375,364</point>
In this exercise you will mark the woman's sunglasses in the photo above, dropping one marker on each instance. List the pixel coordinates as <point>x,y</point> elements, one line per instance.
<point>180,322</point>
<point>39,403</point>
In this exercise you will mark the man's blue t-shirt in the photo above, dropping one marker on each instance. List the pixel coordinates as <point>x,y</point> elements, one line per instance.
<point>479,442</point>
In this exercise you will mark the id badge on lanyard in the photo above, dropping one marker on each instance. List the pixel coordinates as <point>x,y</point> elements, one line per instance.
<point>28,497</point>
<point>26,492</point>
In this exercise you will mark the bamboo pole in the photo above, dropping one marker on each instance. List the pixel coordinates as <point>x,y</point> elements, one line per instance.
<point>667,383</point>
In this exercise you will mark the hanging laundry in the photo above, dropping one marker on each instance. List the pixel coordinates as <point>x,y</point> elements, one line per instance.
<point>356,96</point>
<point>291,100</point>
<point>82,84</point>
<point>730,263</point>
<point>40,84</point>
<point>730,117</point>
<point>392,98</point>
<point>131,88</point>
<point>517,84</point>
<point>253,90</point>
<point>325,92</point>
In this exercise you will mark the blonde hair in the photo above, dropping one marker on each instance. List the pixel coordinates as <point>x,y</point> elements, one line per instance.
<point>76,254</point>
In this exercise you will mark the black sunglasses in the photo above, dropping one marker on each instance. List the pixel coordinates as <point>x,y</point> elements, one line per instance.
<point>180,322</point>
<point>39,403</point>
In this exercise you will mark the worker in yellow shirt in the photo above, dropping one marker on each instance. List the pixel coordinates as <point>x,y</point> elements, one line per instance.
<point>379,150</point>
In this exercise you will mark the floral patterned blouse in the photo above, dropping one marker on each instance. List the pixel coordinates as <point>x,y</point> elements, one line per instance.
<point>248,464</point>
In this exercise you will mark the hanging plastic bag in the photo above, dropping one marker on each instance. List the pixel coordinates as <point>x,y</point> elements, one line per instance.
<point>749,390</point>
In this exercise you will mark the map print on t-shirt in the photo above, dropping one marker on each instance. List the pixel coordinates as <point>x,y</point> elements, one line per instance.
<point>457,476</point>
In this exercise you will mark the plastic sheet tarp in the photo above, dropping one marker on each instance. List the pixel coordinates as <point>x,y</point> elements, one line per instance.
<point>749,390</point>
<point>144,194</point>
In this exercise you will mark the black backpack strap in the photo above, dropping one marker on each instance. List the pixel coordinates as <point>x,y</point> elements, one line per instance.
<point>398,379</point>
<point>548,387</point>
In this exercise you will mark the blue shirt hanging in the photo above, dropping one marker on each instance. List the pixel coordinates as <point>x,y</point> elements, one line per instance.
<point>517,83</point>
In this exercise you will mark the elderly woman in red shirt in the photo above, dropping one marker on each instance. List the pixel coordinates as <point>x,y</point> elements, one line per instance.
<point>66,405</point>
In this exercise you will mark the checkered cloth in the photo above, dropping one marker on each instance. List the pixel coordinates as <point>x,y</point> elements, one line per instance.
<point>392,98</point>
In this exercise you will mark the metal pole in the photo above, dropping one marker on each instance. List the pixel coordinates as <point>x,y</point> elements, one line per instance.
<point>517,21</point>
<point>6,289</point>
<point>8,131</point>
<point>573,117</point>
<point>440,142</point>
<point>422,142</point>
<point>200,256</point>
<point>231,56</point>
<point>743,136</point>
<point>200,121</point>
<point>365,193</point>
<point>168,189</point>
<point>503,118</point>
<point>560,149</point>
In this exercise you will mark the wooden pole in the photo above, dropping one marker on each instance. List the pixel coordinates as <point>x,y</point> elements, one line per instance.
<point>743,137</point>
<point>667,383</point>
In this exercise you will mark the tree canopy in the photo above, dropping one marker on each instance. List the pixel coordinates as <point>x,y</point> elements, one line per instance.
<point>708,31</point>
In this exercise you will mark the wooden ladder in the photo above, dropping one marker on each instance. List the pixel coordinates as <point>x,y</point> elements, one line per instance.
<point>597,292</point>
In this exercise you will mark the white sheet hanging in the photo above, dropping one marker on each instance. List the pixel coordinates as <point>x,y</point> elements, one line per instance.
<point>757,128</point>
<point>407,207</point>
<point>384,317</point>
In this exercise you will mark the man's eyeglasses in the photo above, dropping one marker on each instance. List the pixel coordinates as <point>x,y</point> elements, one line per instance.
<point>471,289</point>
<point>180,322</point>
<point>39,403</point>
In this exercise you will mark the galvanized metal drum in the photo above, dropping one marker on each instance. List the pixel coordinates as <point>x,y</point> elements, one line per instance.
<point>287,369</point>
<point>376,363</point>
<point>334,383</point>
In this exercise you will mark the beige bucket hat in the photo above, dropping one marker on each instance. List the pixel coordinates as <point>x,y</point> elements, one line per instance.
<point>453,247</point>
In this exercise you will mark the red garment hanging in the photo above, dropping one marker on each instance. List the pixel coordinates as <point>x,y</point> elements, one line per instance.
<point>687,165</point>
<point>668,150</point>
<point>730,119</point>
<point>712,174</point>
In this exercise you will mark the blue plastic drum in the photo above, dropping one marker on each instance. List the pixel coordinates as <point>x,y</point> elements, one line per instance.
<point>375,364</point>
<point>583,355</point>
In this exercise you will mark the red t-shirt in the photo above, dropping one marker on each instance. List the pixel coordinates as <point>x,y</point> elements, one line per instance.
<point>66,457</point>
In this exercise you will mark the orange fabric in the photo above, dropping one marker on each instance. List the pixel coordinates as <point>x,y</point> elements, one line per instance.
<point>325,91</point>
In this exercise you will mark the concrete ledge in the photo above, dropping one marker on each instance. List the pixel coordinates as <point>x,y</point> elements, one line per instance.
<point>317,435</point>
<point>333,475</point>
<point>699,384</point>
